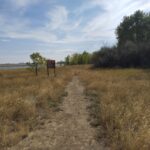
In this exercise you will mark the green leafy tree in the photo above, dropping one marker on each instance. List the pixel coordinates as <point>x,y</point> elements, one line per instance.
<point>75,59</point>
<point>67,62</point>
<point>85,58</point>
<point>37,58</point>
<point>134,28</point>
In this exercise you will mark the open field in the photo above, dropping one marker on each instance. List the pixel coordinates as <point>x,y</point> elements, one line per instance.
<point>120,108</point>
<point>24,98</point>
<point>122,105</point>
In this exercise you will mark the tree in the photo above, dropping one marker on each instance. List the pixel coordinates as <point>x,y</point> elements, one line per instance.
<point>75,59</point>
<point>85,57</point>
<point>106,57</point>
<point>37,61</point>
<point>134,28</point>
<point>67,60</point>
<point>37,58</point>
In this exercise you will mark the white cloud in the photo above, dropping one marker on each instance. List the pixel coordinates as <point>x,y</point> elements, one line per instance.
<point>58,17</point>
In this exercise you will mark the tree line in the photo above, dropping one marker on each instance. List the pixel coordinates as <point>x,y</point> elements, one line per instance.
<point>132,48</point>
<point>75,59</point>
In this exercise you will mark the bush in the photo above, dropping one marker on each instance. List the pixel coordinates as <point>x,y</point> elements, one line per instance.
<point>129,55</point>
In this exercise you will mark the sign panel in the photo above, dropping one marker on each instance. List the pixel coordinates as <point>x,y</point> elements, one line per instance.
<point>51,63</point>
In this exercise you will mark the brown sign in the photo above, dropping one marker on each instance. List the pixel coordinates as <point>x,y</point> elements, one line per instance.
<point>51,63</point>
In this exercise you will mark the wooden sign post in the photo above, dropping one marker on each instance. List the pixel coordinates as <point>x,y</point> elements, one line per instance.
<point>51,64</point>
<point>36,69</point>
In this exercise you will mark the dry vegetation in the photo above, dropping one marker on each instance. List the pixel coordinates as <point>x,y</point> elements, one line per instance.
<point>24,97</point>
<point>123,102</point>
<point>121,97</point>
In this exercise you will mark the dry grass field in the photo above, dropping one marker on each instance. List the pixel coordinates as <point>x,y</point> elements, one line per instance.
<point>121,103</point>
<point>122,107</point>
<point>24,97</point>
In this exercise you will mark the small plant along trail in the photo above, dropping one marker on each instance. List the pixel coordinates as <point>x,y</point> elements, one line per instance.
<point>68,129</point>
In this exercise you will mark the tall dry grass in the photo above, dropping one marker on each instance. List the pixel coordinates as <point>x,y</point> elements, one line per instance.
<point>124,105</point>
<point>24,97</point>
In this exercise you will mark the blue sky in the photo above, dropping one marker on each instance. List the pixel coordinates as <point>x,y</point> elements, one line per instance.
<point>56,28</point>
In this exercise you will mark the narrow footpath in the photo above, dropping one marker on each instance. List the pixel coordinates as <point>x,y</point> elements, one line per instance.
<point>68,129</point>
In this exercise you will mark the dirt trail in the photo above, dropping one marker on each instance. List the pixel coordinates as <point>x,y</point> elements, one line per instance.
<point>68,129</point>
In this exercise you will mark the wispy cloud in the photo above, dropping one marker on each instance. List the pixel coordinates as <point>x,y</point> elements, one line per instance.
<point>62,25</point>
<point>58,17</point>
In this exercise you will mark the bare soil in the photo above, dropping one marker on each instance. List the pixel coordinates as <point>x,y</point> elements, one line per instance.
<point>67,129</point>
